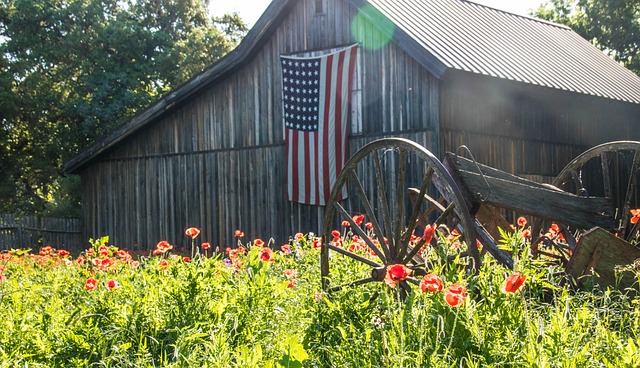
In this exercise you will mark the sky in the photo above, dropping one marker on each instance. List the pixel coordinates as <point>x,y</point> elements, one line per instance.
<point>251,10</point>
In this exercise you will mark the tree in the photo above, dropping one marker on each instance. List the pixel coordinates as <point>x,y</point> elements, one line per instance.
<point>73,70</point>
<point>611,25</point>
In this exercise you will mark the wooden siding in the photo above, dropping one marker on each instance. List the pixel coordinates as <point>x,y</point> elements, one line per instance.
<point>528,130</point>
<point>217,161</point>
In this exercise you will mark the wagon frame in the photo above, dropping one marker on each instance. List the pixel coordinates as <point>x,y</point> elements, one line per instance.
<point>466,199</point>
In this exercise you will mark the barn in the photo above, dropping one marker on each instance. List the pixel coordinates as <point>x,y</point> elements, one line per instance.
<point>525,95</point>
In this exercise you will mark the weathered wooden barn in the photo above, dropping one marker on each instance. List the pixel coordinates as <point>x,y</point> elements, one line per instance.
<point>524,95</point>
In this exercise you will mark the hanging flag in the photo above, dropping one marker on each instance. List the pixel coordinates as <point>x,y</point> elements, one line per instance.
<point>316,93</point>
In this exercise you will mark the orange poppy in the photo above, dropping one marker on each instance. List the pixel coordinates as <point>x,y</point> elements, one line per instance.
<point>266,254</point>
<point>192,232</point>
<point>428,233</point>
<point>91,283</point>
<point>395,273</point>
<point>358,219</point>
<point>431,283</point>
<point>112,284</point>
<point>522,222</point>
<point>513,283</point>
<point>455,295</point>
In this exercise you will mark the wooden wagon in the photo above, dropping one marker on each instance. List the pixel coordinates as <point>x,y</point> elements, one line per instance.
<point>589,205</point>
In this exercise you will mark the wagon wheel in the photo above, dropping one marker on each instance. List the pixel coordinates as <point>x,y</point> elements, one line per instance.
<point>380,178</point>
<point>609,170</point>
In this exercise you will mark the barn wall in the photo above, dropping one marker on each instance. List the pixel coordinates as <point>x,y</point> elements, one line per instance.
<point>217,161</point>
<point>528,130</point>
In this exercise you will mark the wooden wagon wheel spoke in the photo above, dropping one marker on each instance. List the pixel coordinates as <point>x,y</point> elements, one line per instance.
<point>377,230</point>
<point>606,178</point>
<point>382,200</point>
<point>379,176</point>
<point>352,255</point>
<point>630,191</point>
<point>358,230</point>
<point>399,217</point>
<point>414,251</point>
<point>362,281</point>
<point>413,219</point>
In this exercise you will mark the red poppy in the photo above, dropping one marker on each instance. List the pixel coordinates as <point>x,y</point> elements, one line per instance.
<point>636,216</point>
<point>91,283</point>
<point>239,234</point>
<point>428,233</point>
<point>292,284</point>
<point>346,223</point>
<point>455,295</point>
<point>285,248</point>
<point>317,243</point>
<point>192,232</point>
<point>526,233</point>
<point>106,263</point>
<point>258,242</point>
<point>513,283</point>
<point>336,234</point>
<point>186,259</point>
<point>103,250</point>
<point>112,284</point>
<point>369,226</point>
<point>358,219</point>
<point>63,253</point>
<point>80,260</point>
<point>431,283</point>
<point>266,254</point>
<point>163,263</point>
<point>522,222</point>
<point>162,247</point>
<point>205,245</point>
<point>395,273</point>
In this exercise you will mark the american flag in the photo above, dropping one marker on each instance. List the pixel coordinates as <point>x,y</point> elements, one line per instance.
<point>316,93</point>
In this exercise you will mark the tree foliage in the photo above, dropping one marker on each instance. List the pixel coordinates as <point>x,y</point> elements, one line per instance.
<point>611,25</point>
<point>73,70</point>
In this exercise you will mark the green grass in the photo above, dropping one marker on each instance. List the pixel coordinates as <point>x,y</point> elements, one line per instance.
<point>204,313</point>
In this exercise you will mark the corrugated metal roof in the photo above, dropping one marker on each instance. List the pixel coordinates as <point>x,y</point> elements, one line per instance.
<point>475,38</point>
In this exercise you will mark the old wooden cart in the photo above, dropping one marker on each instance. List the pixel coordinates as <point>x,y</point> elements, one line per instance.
<point>401,188</point>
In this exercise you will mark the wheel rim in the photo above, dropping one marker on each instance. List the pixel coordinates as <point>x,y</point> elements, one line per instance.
<point>608,170</point>
<point>375,193</point>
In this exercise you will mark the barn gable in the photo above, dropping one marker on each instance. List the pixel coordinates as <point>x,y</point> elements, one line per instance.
<point>211,153</point>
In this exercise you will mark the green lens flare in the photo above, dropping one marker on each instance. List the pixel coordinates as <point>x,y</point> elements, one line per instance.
<point>371,29</point>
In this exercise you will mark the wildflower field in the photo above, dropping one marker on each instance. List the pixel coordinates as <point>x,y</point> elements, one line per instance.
<point>260,305</point>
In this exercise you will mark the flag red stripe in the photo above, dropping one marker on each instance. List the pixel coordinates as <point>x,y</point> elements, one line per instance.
<point>307,170</point>
<point>338,120</point>
<point>326,170</point>
<point>294,167</point>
